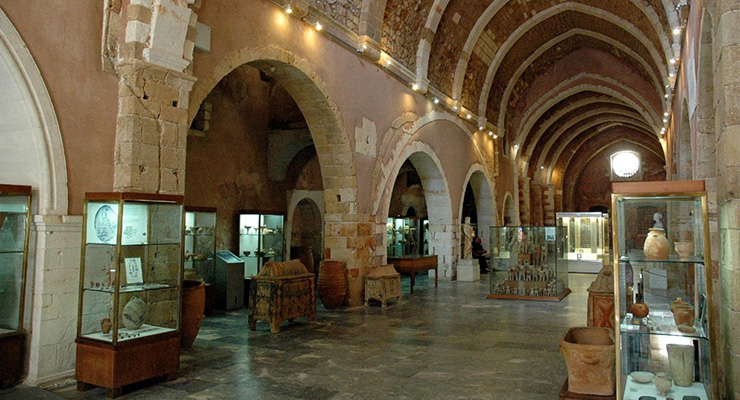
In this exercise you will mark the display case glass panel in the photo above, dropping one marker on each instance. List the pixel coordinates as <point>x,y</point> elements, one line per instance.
<point>200,243</point>
<point>661,252</point>
<point>261,239</point>
<point>588,240</point>
<point>132,264</point>
<point>15,214</point>
<point>528,262</point>
<point>407,236</point>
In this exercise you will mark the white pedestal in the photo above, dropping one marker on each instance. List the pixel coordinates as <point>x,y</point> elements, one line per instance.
<point>468,271</point>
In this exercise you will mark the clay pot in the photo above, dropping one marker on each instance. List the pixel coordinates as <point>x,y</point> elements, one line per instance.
<point>193,305</point>
<point>681,359</point>
<point>589,356</point>
<point>640,310</point>
<point>134,313</point>
<point>332,283</point>
<point>684,249</point>
<point>683,313</point>
<point>663,383</point>
<point>105,325</point>
<point>656,245</point>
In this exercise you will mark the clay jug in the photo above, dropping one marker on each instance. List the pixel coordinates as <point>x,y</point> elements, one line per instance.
<point>193,305</point>
<point>684,249</point>
<point>681,359</point>
<point>590,359</point>
<point>332,283</point>
<point>656,245</point>
<point>683,313</point>
<point>134,313</point>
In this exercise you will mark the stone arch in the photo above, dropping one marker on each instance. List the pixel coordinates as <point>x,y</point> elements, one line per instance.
<point>485,203</point>
<point>324,120</point>
<point>442,228</point>
<point>371,19</point>
<point>509,213</point>
<point>315,200</point>
<point>33,153</point>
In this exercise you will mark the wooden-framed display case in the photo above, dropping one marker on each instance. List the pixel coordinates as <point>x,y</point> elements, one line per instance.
<point>587,250</point>
<point>15,221</point>
<point>662,261</point>
<point>407,237</point>
<point>200,249</point>
<point>261,239</point>
<point>128,327</point>
<point>528,263</point>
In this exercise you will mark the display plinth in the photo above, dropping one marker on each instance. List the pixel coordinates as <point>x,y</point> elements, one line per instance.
<point>468,271</point>
<point>12,347</point>
<point>112,367</point>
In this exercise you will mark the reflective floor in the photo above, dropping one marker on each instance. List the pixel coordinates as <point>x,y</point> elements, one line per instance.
<point>448,342</point>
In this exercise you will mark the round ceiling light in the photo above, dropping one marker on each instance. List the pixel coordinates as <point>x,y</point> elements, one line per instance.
<point>625,164</point>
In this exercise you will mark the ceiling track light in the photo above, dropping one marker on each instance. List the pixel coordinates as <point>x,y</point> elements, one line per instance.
<point>288,9</point>
<point>319,26</point>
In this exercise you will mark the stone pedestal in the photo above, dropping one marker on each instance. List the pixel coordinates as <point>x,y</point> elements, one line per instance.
<point>468,271</point>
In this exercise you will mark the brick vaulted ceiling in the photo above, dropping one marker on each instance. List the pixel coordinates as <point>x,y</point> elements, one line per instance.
<point>546,74</point>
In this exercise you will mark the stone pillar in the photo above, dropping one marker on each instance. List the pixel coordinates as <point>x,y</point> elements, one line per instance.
<point>524,201</point>
<point>548,205</point>
<point>351,238</point>
<point>535,204</point>
<point>56,265</point>
<point>152,128</point>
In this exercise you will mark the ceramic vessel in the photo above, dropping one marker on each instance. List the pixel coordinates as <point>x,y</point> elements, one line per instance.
<point>193,305</point>
<point>683,313</point>
<point>105,325</point>
<point>332,284</point>
<point>134,313</point>
<point>589,356</point>
<point>684,249</point>
<point>663,383</point>
<point>639,310</point>
<point>642,376</point>
<point>681,359</point>
<point>656,245</point>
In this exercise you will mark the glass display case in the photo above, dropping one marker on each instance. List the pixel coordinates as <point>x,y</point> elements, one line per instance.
<point>588,240</point>
<point>15,217</point>
<point>528,263</point>
<point>662,287</point>
<point>129,300</point>
<point>200,243</point>
<point>260,239</point>
<point>407,236</point>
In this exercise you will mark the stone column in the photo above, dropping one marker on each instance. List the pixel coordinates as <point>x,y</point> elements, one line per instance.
<point>351,238</point>
<point>535,205</point>
<point>524,201</point>
<point>152,128</point>
<point>548,205</point>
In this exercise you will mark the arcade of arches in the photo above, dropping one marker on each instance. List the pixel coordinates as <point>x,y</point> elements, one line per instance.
<point>394,104</point>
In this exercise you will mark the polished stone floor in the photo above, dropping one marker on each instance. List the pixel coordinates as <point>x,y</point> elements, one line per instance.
<point>448,342</point>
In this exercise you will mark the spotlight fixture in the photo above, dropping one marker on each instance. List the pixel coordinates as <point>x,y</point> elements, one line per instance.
<point>288,10</point>
<point>672,74</point>
<point>319,26</point>
<point>454,108</point>
<point>364,47</point>
<point>672,60</point>
<point>542,167</point>
<point>470,116</point>
<point>662,140</point>
<point>677,30</point>
<point>495,136</point>
<point>490,133</point>
<point>665,120</point>
<point>665,114</point>
<point>666,95</point>
<point>388,62</point>
<point>516,146</point>
<point>415,87</point>
<point>480,128</point>
<point>436,100</point>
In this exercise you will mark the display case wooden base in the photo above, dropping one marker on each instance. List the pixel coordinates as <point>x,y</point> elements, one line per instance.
<point>11,354</point>
<point>559,297</point>
<point>113,367</point>
<point>567,395</point>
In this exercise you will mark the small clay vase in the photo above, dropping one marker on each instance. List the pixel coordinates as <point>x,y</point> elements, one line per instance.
<point>106,324</point>
<point>663,383</point>
<point>134,313</point>
<point>684,249</point>
<point>656,245</point>
<point>639,310</point>
<point>683,313</point>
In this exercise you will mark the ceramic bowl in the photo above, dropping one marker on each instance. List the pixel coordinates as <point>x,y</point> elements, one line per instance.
<point>642,376</point>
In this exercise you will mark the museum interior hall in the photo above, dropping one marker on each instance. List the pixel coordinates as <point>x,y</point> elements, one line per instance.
<point>340,199</point>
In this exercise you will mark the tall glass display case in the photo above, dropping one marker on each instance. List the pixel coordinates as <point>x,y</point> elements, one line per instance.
<point>528,263</point>
<point>200,249</point>
<point>260,239</point>
<point>588,240</point>
<point>128,327</point>
<point>407,236</point>
<point>663,290</point>
<point>15,217</point>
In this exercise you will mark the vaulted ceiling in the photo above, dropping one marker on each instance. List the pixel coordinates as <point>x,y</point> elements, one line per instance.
<point>548,75</point>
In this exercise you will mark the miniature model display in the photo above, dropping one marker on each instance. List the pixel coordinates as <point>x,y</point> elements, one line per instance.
<point>528,262</point>
<point>662,295</point>
<point>406,236</point>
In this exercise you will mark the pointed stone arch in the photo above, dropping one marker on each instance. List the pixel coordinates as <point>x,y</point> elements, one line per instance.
<point>485,202</point>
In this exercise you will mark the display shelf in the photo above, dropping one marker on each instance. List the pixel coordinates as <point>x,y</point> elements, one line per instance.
<point>661,247</point>
<point>200,245</point>
<point>130,282</point>
<point>15,217</point>
<point>528,263</point>
<point>260,239</point>
<point>407,237</point>
<point>588,240</point>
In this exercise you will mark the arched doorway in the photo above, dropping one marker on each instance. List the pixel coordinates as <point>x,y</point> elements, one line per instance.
<point>478,199</point>
<point>306,232</point>
<point>509,215</point>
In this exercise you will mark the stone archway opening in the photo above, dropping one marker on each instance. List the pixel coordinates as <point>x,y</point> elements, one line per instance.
<point>306,235</point>
<point>484,204</point>
<point>509,214</point>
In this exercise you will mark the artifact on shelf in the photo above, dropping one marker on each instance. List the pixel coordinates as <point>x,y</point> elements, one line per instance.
<point>656,245</point>
<point>246,253</point>
<point>642,376</point>
<point>681,360</point>
<point>105,325</point>
<point>686,329</point>
<point>663,383</point>
<point>683,312</point>
<point>640,310</point>
<point>684,249</point>
<point>134,313</point>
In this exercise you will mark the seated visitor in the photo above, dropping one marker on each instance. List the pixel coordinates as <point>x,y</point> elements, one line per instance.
<point>479,253</point>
